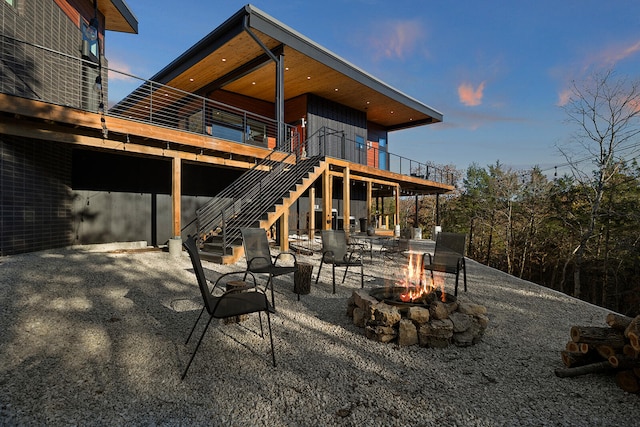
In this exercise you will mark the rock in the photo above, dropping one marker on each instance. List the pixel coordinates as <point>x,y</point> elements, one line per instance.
<point>407,333</point>
<point>382,334</point>
<point>461,322</point>
<point>385,314</point>
<point>419,315</point>
<point>472,309</point>
<point>438,310</point>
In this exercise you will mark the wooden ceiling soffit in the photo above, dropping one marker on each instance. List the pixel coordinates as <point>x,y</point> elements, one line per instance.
<point>240,72</point>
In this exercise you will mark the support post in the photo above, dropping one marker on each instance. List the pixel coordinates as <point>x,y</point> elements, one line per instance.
<point>312,212</point>
<point>369,188</point>
<point>326,200</point>
<point>284,231</point>
<point>175,243</point>
<point>346,200</point>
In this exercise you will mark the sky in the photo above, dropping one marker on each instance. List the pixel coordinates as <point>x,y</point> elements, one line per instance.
<point>498,70</point>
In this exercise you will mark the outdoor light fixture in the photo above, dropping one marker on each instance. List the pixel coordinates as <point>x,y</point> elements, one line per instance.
<point>91,31</point>
<point>97,86</point>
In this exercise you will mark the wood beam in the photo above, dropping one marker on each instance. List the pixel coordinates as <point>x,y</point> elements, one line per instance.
<point>176,195</point>
<point>369,201</point>
<point>327,194</point>
<point>346,201</point>
<point>284,231</point>
<point>312,212</point>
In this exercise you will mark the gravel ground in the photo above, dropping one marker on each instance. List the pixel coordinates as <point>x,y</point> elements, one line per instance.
<point>97,338</point>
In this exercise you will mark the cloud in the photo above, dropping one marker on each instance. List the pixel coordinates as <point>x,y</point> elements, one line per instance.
<point>469,96</point>
<point>614,54</point>
<point>116,70</point>
<point>604,58</point>
<point>397,39</point>
<point>563,97</point>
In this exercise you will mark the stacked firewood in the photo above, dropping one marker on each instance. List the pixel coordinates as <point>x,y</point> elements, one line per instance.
<point>614,349</point>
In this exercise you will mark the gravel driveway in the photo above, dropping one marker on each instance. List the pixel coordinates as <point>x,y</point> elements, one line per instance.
<point>97,338</point>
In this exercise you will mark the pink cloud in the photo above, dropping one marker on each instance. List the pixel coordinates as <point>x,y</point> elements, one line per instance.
<point>397,39</point>
<point>563,97</point>
<point>469,96</point>
<point>614,54</point>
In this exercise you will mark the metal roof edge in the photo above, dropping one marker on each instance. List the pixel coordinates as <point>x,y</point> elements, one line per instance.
<point>267,24</point>
<point>127,14</point>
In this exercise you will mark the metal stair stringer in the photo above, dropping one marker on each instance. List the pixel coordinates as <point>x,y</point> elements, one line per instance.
<point>275,211</point>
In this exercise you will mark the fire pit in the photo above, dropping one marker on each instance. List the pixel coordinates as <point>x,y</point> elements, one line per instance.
<point>397,296</point>
<point>417,311</point>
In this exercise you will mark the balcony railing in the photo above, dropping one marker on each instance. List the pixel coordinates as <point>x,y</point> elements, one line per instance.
<point>37,72</point>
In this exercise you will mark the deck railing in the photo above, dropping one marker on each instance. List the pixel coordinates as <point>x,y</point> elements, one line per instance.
<point>37,72</point>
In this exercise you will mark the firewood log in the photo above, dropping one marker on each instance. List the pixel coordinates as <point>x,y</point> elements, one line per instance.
<point>627,381</point>
<point>620,361</point>
<point>596,335</point>
<point>575,347</point>
<point>632,332</point>
<point>573,359</point>
<point>618,321</point>
<point>592,368</point>
<point>628,350</point>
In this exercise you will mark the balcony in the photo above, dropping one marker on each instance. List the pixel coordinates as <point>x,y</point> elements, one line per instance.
<point>36,72</point>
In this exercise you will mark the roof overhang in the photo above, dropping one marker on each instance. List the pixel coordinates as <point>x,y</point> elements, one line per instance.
<point>229,58</point>
<point>118,16</point>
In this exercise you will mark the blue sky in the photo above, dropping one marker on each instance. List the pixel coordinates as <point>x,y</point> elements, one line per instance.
<point>497,70</point>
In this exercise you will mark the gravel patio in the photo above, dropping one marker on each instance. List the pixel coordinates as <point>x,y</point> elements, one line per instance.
<point>96,337</point>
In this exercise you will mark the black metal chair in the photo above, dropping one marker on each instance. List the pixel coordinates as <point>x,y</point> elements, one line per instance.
<point>338,253</point>
<point>260,260</point>
<point>448,256</point>
<point>236,302</point>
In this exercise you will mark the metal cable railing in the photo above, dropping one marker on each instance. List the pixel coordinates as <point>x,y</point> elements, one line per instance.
<point>37,72</point>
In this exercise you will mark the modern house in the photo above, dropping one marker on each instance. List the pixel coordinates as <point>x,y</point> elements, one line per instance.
<point>254,125</point>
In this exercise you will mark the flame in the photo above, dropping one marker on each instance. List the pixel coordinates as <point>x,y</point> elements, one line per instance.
<point>415,280</point>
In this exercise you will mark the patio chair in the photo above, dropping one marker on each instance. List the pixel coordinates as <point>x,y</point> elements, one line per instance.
<point>338,253</point>
<point>259,259</point>
<point>448,256</point>
<point>236,302</point>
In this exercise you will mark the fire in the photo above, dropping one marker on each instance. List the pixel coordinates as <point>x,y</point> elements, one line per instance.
<point>416,282</point>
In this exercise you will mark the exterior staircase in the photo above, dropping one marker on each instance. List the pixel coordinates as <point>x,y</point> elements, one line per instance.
<point>258,198</point>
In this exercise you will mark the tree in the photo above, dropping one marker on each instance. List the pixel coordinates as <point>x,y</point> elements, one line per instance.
<point>605,110</point>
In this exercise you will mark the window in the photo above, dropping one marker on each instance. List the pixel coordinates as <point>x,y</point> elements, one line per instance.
<point>11,2</point>
<point>359,142</point>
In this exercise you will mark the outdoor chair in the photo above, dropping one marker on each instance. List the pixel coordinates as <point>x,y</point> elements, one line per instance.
<point>448,256</point>
<point>260,260</point>
<point>338,253</point>
<point>226,304</point>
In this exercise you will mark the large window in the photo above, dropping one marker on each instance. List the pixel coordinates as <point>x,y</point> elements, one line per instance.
<point>382,154</point>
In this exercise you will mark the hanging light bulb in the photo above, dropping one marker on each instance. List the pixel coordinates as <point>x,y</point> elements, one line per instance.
<point>91,31</point>
<point>97,86</point>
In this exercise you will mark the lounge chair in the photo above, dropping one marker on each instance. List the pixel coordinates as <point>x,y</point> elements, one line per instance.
<point>448,256</point>
<point>226,304</point>
<point>338,253</point>
<point>259,259</point>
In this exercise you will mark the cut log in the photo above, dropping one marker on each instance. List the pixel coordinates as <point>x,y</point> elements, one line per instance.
<point>606,350</point>
<point>618,321</point>
<point>573,359</point>
<point>627,381</point>
<point>592,368</point>
<point>632,332</point>
<point>575,347</point>
<point>628,350</point>
<point>302,279</point>
<point>620,361</point>
<point>596,335</point>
